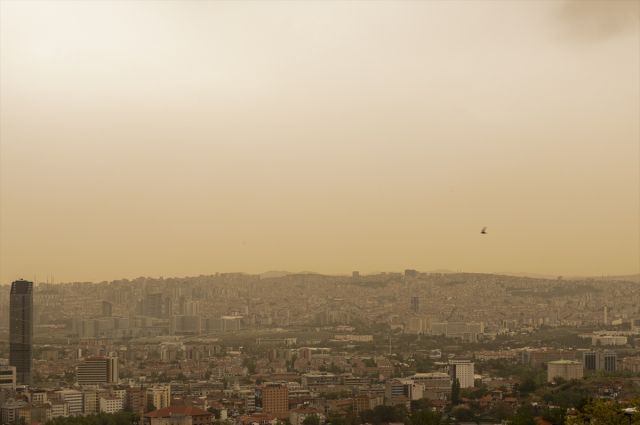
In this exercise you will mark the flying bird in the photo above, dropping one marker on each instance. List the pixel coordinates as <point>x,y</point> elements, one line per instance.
<point>484,231</point>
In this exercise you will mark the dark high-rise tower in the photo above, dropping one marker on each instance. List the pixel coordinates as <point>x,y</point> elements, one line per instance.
<point>107,309</point>
<point>154,305</point>
<point>415,304</point>
<point>21,330</point>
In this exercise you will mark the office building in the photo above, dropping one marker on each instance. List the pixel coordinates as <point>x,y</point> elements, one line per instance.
<point>107,309</point>
<point>462,368</point>
<point>98,370</point>
<point>153,305</point>
<point>565,369</point>
<point>21,330</point>
<point>600,360</point>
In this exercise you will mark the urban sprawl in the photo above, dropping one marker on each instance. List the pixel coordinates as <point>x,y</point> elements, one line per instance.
<point>310,349</point>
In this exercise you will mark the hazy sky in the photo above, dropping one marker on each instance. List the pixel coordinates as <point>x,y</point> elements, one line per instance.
<point>186,138</point>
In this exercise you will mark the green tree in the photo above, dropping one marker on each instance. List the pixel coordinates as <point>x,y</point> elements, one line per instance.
<point>426,417</point>
<point>599,412</point>
<point>557,416</point>
<point>462,414</point>
<point>501,411</point>
<point>352,419</point>
<point>523,417</point>
<point>150,408</point>
<point>311,420</point>
<point>528,386</point>
<point>337,420</point>
<point>455,392</point>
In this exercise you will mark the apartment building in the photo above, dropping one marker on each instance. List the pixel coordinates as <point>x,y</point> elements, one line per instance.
<point>565,369</point>
<point>366,402</point>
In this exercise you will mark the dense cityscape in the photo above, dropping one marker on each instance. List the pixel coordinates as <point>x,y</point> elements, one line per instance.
<point>309,348</point>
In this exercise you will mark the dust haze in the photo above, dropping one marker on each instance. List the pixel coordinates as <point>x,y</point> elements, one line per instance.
<point>599,20</point>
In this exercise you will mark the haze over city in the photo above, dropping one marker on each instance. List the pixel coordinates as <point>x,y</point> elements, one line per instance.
<point>320,213</point>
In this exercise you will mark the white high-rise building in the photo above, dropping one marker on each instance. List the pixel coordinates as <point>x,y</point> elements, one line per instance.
<point>462,369</point>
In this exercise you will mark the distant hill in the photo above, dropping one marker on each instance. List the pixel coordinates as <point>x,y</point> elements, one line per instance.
<point>281,273</point>
<point>629,278</point>
<point>525,274</point>
<point>274,273</point>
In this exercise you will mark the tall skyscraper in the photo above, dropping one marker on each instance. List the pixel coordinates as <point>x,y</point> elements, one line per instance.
<point>107,309</point>
<point>415,304</point>
<point>168,308</point>
<point>153,305</point>
<point>21,330</point>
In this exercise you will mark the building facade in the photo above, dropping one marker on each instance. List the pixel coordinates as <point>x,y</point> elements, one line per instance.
<point>565,369</point>
<point>462,369</point>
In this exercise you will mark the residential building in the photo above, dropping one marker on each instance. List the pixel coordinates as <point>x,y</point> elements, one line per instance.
<point>565,369</point>
<point>10,411</point>
<point>198,416</point>
<point>541,358</point>
<point>153,305</point>
<point>185,325</point>
<point>136,399</point>
<point>159,396</point>
<point>366,402</point>
<point>297,416</point>
<point>110,404</point>
<point>34,413</point>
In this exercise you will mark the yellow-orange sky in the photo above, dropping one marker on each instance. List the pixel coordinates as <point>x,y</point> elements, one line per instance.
<point>185,138</point>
